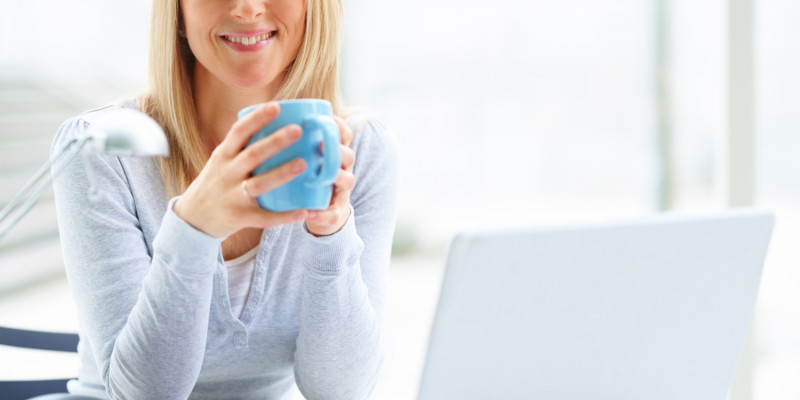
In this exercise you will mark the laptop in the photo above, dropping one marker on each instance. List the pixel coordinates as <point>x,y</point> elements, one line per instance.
<point>654,308</point>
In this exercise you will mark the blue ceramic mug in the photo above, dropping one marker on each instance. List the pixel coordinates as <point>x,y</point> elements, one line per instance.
<point>313,188</point>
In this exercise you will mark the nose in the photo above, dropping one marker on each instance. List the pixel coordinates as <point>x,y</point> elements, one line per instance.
<point>247,10</point>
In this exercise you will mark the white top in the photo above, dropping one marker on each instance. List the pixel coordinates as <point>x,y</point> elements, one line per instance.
<point>240,275</point>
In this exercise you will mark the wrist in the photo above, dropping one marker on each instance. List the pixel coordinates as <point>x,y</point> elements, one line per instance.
<point>182,209</point>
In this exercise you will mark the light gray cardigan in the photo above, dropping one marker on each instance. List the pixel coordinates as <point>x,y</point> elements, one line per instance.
<point>151,291</point>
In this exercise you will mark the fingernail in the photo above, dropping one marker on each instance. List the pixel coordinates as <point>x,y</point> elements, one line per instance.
<point>268,107</point>
<point>294,131</point>
<point>312,214</point>
<point>298,166</point>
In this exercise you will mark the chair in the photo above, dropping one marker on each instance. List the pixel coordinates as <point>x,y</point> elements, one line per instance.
<point>19,390</point>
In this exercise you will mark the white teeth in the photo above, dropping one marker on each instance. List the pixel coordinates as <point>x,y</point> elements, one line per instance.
<point>249,40</point>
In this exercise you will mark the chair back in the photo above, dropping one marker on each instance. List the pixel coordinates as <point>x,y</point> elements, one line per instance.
<point>38,340</point>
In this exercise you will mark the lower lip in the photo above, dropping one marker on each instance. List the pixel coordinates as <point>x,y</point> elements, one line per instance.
<point>248,48</point>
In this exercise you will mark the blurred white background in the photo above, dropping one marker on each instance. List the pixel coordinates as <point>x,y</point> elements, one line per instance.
<point>518,113</point>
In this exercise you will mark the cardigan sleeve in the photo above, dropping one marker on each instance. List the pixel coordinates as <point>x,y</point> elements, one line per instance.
<point>144,312</point>
<point>340,343</point>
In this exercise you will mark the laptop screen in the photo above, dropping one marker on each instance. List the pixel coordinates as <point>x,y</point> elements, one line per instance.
<point>655,308</point>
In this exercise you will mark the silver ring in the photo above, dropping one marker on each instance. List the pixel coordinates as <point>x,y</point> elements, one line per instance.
<point>244,189</point>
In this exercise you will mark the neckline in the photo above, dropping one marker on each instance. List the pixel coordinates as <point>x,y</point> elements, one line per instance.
<point>250,254</point>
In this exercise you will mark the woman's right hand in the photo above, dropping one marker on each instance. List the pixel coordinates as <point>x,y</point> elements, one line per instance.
<point>221,200</point>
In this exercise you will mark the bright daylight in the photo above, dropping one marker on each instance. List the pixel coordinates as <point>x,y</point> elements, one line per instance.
<point>364,199</point>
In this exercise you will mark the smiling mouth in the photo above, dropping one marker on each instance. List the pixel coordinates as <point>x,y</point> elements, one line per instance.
<point>250,40</point>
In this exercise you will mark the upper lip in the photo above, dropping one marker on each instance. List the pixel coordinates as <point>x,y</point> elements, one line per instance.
<point>249,33</point>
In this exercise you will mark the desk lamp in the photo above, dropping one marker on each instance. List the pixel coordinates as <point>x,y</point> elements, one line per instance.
<point>117,132</point>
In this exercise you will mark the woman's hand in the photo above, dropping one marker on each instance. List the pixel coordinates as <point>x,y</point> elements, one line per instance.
<point>330,221</point>
<point>221,200</point>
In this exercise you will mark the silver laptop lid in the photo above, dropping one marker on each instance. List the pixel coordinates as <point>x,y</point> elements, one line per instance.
<point>655,308</point>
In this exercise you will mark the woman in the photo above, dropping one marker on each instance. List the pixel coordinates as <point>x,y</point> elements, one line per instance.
<point>184,286</point>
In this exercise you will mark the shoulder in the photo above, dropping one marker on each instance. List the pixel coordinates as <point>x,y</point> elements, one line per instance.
<point>377,160</point>
<point>92,115</point>
<point>371,137</point>
<point>77,126</point>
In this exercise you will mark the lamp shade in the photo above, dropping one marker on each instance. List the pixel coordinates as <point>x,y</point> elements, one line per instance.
<point>127,132</point>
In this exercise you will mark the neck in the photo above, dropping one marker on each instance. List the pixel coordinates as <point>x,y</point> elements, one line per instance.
<point>218,103</point>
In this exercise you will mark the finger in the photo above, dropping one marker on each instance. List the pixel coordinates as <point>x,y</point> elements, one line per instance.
<point>345,181</point>
<point>275,177</point>
<point>267,219</point>
<point>348,158</point>
<point>333,216</point>
<point>340,198</point>
<point>255,154</point>
<point>325,218</point>
<point>344,130</point>
<point>243,129</point>
<point>341,195</point>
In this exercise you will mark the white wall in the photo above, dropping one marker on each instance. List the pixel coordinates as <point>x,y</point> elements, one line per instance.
<point>99,44</point>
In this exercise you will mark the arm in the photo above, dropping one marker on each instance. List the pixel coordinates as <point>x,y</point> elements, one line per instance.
<point>340,345</point>
<point>143,312</point>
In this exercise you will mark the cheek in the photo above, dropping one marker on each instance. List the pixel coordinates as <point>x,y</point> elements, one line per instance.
<point>195,45</point>
<point>292,14</point>
<point>298,35</point>
<point>199,17</point>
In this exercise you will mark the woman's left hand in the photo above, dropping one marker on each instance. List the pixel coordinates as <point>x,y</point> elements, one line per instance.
<point>330,221</point>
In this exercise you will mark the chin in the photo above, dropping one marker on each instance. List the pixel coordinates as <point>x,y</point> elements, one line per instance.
<point>253,80</point>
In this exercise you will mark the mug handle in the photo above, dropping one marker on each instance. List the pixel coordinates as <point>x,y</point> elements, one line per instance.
<point>330,144</point>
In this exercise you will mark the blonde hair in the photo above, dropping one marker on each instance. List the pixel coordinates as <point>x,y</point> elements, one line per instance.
<point>169,100</point>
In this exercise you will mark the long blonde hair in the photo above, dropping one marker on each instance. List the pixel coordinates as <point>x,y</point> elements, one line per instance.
<point>169,99</point>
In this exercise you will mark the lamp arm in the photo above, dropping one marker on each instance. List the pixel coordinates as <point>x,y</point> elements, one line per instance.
<point>94,192</point>
<point>35,188</point>
<point>33,181</point>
